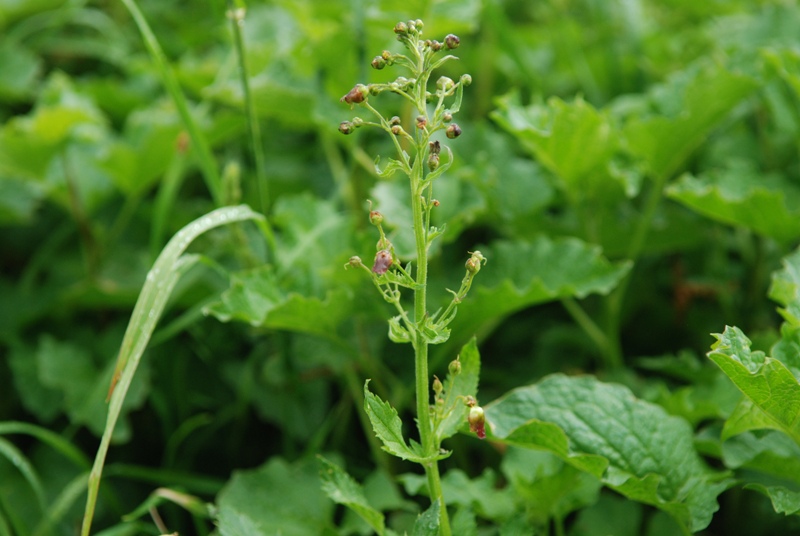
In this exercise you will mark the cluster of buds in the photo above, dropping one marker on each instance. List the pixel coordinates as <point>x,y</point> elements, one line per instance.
<point>348,127</point>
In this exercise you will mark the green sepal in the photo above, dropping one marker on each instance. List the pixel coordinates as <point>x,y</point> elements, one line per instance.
<point>397,333</point>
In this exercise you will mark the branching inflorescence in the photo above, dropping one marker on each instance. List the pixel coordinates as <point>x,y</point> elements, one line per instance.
<point>423,159</point>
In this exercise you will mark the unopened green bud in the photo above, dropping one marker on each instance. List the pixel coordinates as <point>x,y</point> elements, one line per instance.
<point>474,262</point>
<point>401,28</point>
<point>447,117</point>
<point>445,83</point>
<point>466,80</point>
<point>436,46</point>
<point>433,161</point>
<point>357,122</point>
<point>454,368</point>
<point>437,386</point>
<point>419,24</point>
<point>378,63</point>
<point>346,127</point>
<point>452,41</point>
<point>354,262</point>
<point>401,81</point>
<point>397,130</point>
<point>453,131</point>
<point>375,217</point>
<point>395,120</point>
<point>386,55</point>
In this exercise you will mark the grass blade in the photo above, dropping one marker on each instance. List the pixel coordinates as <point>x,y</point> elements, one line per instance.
<point>152,300</point>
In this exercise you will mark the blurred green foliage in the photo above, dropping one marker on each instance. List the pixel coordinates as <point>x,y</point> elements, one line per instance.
<point>629,168</point>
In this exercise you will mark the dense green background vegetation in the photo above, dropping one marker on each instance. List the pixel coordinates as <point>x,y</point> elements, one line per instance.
<point>629,168</point>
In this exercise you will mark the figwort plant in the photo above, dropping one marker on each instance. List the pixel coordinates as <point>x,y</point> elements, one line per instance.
<point>419,156</point>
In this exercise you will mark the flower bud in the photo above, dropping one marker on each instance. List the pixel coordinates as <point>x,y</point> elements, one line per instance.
<point>453,131</point>
<point>356,95</point>
<point>433,161</point>
<point>419,24</point>
<point>378,63</point>
<point>375,217</point>
<point>477,421</point>
<point>346,127</point>
<point>434,147</point>
<point>422,121</point>
<point>355,262</point>
<point>394,120</point>
<point>357,122</point>
<point>437,386</point>
<point>447,117</point>
<point>452,41</point>
<point>401,82</point>
<point>436,46</point>
<point>397,130</point>
<point>386,55</point>
<point>400,28</point>
<point>435,202</point>
<point>445,83</point>
<point>383,260</point>
<point>474,262</point>
<point>466,80</point>
<point>412,26</point>
<point>454,368</point>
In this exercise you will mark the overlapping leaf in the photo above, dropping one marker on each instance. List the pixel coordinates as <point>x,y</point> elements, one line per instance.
<point>768,204</point>
<point>342,489</point>
<point>633,446</point>
<point>522,274</point>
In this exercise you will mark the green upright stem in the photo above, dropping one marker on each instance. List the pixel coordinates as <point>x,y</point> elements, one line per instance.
<point>427,438</point>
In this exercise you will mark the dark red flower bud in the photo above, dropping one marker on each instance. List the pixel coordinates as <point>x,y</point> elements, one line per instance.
<point>452,41</point>
<point>477,421</point>
<point>346,127</point>
<point>453,131</point>
<point>383,260</point>
<point>356,95</point>
<point>421,121</point>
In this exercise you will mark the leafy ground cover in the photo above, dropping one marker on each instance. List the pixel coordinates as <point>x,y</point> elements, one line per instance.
<point>188,344</point>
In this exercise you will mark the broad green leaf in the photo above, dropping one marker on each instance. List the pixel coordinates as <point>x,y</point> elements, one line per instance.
<point>763,452</point>
<point>458,386</point>
<point>482,494</point>
<point>666,141</point>
<point>522,274</point>
<point>342,489</point>
<point>785,288</point>
<point>633,446</point>
<point>573,140</point>
<point>610,515</point>
<point>389,428</point>
<point>768,204</point>
<point>255,297</point>
<point>20,72</point>
<point>767,382</point>
<point>427,524</point>
<point>784,500</point>
<point>276,498</point>
<point>551,488</point>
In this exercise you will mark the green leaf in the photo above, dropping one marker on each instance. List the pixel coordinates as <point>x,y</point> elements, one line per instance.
<point>768,204</point>
<point>785,288</point>
<point>767,452</point>
<point>389,428</point>
<point>458,386</point>
<point>427,523</point>
<point>342,489</point>
<point>522,274</point>
<point>666,141</point>
<point>276,498</point>
<point>573,140</point>
<point>633,446</point>
<point>255,297</point>
<point>767,382</point>
<point>483,494</point>
<point>784,500</point>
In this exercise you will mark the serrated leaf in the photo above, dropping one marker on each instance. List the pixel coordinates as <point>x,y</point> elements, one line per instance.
<point>276,498</point>
<point>784,500</point>
<point>460,385</point>
<point>633,446</point>
<point>573,140</point>
<point>388,427</point>
<point>427,523</point>
<point>768,452</point>
<point>342,489</point>
<point>255,297</point>
<point>785,288</point>
<point>522,274</point>
<point>665,142</point>
<point>767,382</point>
<point>768,204</point>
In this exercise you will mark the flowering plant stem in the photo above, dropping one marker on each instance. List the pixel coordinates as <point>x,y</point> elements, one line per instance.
<point>422,167</point>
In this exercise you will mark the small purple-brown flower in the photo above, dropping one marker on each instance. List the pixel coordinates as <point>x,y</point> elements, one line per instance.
<point>383,260</point>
